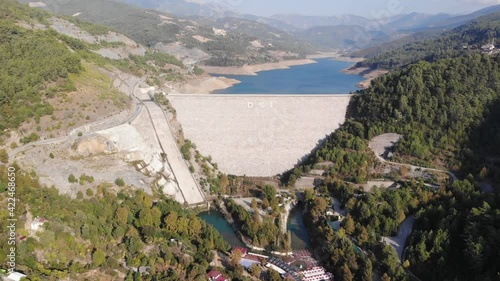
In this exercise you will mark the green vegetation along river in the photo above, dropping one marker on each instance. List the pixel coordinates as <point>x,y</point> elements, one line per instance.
<point>300,236</point>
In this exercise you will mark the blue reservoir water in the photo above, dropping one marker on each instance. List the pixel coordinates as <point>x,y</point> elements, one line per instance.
<point>323,77</point>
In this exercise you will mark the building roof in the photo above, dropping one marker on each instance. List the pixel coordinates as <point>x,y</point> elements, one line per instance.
<point>214,274</point>
<point>244,251</point>
<point>15,276</point>
<point>247,263</point>
<point>274,267</point>
<point>221,278</point>
<point>39,220</point>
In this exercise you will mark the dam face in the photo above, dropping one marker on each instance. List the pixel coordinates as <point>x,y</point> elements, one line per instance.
<point>258,135</point>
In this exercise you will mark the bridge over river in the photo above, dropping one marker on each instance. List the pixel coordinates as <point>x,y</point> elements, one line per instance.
<point>258,135</point>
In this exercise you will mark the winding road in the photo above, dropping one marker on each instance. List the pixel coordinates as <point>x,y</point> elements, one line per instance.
<point>399,242</point>
<point>383,144</point>
<point>107,123</point>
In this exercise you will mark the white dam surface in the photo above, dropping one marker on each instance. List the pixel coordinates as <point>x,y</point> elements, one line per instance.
<point>258,135</point>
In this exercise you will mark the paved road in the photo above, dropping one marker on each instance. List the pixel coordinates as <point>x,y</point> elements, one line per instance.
<point>398,242</point>
<point>413,167</point>
<point>86,129</point>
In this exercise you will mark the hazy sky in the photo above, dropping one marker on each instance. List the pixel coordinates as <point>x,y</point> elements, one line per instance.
<point>371,8</point>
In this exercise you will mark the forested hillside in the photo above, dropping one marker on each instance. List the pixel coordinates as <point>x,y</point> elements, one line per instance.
<point>447,45</point>
<point>30,61</point>
<point>106,232</point>
<point>224,47</point>
<point>439,108</point>
<point>41,66</point>
<point>447,112</point>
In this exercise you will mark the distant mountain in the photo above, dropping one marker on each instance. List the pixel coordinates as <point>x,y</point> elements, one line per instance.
<point>306,22</point>
<point>416,20</point>
<point>271,22</point>
<point>432,46</point>
<point>186,8</point>
<point>344,36</point>
<point>355,32</point>
<point>365,33</point>
<point>458,20</point>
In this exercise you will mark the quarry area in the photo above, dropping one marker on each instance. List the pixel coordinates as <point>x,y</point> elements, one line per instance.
<point>136,146</point>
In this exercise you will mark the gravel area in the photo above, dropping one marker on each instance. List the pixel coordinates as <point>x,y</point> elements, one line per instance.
<point>383,144</point>
<point>258,135</point>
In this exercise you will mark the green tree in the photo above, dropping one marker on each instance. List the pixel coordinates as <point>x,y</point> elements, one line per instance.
<point>349,225</point>
<point>274,275</point>
<point>171,221</point>
<point>121,215</point>
<point>269,192</point>
<point>256,270</point>
<point>346,273</point>
<point>98,258</point>
<point>89,192</point>
<point>235,258</point>
<point>72,179</point>
<point>4,157</point>
<point>120,182</point>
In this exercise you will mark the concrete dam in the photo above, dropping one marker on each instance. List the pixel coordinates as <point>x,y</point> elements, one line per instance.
<point>258,135</point>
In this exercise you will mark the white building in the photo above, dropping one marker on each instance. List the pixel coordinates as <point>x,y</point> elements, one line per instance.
<point>489,47</point>
<point>37,223</point>
<point>14,276</point>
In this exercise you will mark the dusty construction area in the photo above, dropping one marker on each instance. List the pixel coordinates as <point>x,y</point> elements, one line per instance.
<point>258,135</point>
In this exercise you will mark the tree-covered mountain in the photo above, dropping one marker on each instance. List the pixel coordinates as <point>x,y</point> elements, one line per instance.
<point>188,38</point>
<point>88,237</point>
<point>188,8</point>
<point>447,112</point>
<point>430,46</point>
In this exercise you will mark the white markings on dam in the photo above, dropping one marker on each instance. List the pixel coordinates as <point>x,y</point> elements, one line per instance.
<point>258,135</point>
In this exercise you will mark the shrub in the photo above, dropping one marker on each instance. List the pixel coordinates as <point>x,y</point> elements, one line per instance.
<point>120,182</point>
<point>4,157</point>
<point>72,179</point>
<point>89,192</point>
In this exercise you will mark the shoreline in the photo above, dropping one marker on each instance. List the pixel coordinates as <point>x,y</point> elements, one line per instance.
<point>208,84</point>
<point>252,70</point>
<point>204,86</point>
<point>365,72</point>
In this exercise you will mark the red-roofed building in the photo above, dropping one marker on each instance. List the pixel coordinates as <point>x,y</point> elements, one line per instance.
<point>214,275</point>
<point>243,251</point>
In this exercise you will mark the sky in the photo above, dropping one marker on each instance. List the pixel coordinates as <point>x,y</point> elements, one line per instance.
<point>367,8</point>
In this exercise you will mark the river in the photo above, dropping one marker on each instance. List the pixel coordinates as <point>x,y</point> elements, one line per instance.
<point>217,220</point>
<point>323,77</point>
<point>300,236</point>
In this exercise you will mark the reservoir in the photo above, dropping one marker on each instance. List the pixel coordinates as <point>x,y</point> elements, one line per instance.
<point>323,77</point>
